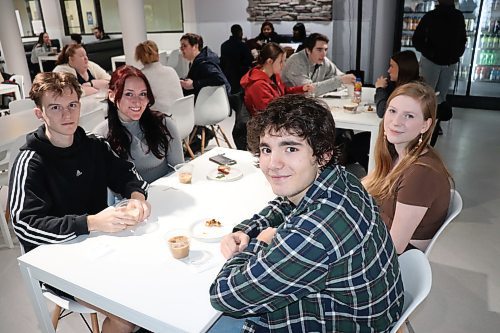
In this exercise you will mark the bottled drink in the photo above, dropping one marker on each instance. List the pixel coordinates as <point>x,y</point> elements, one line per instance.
<point>356,98</point>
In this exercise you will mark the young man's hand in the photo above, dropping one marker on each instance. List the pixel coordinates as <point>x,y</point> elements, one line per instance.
<point>187,84</point>
<point>234,243</point>
<point>267,235</point>
<point>348,79</point>
<point>110,220</point>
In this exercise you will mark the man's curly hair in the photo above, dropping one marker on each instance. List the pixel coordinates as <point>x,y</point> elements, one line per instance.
<point>305,117</point>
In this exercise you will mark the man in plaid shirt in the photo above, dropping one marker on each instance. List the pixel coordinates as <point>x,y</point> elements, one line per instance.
<point>318,258</point>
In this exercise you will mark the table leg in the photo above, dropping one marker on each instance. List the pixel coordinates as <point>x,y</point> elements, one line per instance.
<point>37,299</point>
<point>371,154</point>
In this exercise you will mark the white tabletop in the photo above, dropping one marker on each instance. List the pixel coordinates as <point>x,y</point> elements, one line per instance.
<point>134,275</point>
<point>10,88</point>
<point>360,121</point>
<point>41,59</point>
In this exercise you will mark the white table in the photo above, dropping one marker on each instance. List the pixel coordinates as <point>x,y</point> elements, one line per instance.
<point>362,121</point>
<point>21,123</point>
<point>10,88</point>
<point>41,59</point>
<point>134,276</point>
<point>121,59</point>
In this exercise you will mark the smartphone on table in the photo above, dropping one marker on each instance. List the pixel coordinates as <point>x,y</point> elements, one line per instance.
<point>222,160</point>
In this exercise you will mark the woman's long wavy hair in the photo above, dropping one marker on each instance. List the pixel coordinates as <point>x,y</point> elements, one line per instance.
<point>381,182</point>
<point>151,122</point>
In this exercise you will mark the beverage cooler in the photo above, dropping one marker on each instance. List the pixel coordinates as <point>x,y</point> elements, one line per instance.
<point>477,78</point>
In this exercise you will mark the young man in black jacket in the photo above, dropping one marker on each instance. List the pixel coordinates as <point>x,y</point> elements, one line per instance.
<point>58,184</point>
<point>441,37</point>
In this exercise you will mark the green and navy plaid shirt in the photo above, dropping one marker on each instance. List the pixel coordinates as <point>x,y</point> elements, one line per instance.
<point>331,267</point>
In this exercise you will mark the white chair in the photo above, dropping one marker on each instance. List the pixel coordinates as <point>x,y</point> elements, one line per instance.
<point>19,79</point>
<point>182,111</point>
<point>212,107</point>
<point>177,62</point>
<point>8,154</point>
<point>454,209</point>
<point>63,304</point>
<point>417,281</point>
<point>21,105</point>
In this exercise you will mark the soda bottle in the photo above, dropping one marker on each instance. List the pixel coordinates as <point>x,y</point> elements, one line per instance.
<point>356,98</point>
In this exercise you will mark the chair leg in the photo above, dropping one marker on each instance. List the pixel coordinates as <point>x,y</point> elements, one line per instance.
<point>5,230</point>
<point>95,323</point>
<point>203,139</point>
<point>55,316</point>
<point>225,137</point>
<point>188,148</point>
<point>409,327</point>
<point>214,129</point>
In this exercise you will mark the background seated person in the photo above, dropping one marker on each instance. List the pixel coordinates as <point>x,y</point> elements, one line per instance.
<point>410,181</point>
<point>42,47</point>
<point>58,187</point>
<point>403,68</point>
<point>163,80</point>
<point>267,35</point>
<point>312,66</point>
<point>204,70</point>
<point>299,35</point>
<point>318,258</point>
<point>73,59</point>
<point>137,133</point>
<point>263,83</point>
<point>99,33</point>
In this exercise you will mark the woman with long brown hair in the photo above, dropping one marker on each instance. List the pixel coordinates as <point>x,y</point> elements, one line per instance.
<point>410,181</point>
<point>146,137</point>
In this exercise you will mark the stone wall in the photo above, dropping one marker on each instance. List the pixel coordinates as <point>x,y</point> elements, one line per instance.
<point>289,10</point>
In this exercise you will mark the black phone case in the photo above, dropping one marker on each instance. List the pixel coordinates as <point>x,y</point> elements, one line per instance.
<point>222,160</point>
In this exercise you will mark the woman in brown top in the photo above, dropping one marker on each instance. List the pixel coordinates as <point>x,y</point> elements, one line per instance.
<point>410,181</point>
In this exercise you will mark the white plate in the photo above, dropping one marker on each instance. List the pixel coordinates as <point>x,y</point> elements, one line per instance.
<point>234,174</point>
<point>203,233</point>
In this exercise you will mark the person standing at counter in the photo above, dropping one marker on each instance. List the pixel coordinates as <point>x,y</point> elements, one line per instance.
<point>318,258</point>
<point>312,66</point>
<point>73,59</point>
<point>146,137</point>
<point>441,37</point>
<point>58,186</point>
<point>235,58</point>
<point>410,181</point>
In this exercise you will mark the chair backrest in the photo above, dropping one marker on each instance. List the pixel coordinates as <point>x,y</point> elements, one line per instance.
<point>417,281</point>
<point>454,209</point>
<point>19,79</point>
<point>8,154</point>
<point>182,111</point>
<point>177,62</point>
<point>212,106</point>
<point>21,105</point>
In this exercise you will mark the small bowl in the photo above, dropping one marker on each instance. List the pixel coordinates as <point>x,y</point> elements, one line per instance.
<point>351,107</point>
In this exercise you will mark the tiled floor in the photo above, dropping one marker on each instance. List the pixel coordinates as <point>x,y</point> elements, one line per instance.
<point>465,295</point>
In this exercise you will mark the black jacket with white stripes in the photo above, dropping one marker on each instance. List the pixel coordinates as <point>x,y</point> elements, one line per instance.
<point>52,189</point>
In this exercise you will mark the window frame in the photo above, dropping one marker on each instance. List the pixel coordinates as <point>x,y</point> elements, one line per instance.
<point>98,19</point>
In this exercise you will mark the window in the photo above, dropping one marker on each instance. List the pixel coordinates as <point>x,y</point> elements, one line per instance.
<point>80,16</point>
<point>29,17</point>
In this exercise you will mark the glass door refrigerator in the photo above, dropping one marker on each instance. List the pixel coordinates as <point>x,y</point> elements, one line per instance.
<point>477,78</point>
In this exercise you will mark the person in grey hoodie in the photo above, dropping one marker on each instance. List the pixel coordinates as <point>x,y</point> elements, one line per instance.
<point>312,66</point>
